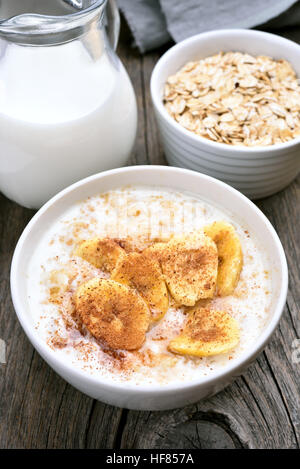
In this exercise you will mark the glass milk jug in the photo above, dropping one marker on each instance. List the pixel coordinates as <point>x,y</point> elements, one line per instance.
<point>67,107</point>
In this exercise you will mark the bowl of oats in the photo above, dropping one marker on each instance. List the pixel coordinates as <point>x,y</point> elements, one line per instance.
<point>227,104</point>
<point>149,287</point>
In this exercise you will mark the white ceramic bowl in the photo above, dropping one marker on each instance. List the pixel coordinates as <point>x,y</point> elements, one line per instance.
<point>255,171</point>
<point>150,397</point>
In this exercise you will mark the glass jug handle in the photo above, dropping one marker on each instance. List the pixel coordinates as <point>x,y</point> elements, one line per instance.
<point>113,20</point>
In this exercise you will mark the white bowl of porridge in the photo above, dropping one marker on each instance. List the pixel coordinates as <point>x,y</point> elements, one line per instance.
<point>226,104</point>
<point>149,287</point>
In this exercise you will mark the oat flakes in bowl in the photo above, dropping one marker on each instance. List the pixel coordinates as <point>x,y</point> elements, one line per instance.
<point>236,98</point>
<point>223,134</point>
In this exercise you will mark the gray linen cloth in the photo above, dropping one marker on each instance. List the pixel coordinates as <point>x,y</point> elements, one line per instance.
<point>155,22</point>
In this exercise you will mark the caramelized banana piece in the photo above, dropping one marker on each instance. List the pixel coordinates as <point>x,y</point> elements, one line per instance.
<point>144,273</point>
<point>135,244</point>
<point>189,264</point>
<point>103,253</point>
<point>207,332</point>
<point>113,313</point>
<point>155,251</point>
<point>229,253</point>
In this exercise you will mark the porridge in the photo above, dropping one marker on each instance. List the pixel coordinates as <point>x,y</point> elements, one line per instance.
<point>237,99</point>
<point>149,286</point>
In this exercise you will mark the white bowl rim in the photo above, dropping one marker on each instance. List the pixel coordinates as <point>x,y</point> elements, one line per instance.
<point>45,351</point>
<point>158,104</point>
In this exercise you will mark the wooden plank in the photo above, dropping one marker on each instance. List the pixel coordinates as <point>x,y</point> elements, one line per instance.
<point>133,64</point>
<point>154,147</point>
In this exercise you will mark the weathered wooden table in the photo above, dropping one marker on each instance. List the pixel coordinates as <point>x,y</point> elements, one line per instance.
<point>261,409</point>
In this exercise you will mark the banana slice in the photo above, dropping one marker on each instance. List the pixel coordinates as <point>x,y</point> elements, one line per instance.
<point>113,313</point>
<point>207,332</point>
<point>155,251</point>
<point>229,253</point>
<point>143,273</point>
<point>189,264</point>
<point>103,253</point>
<point>136,243</point>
